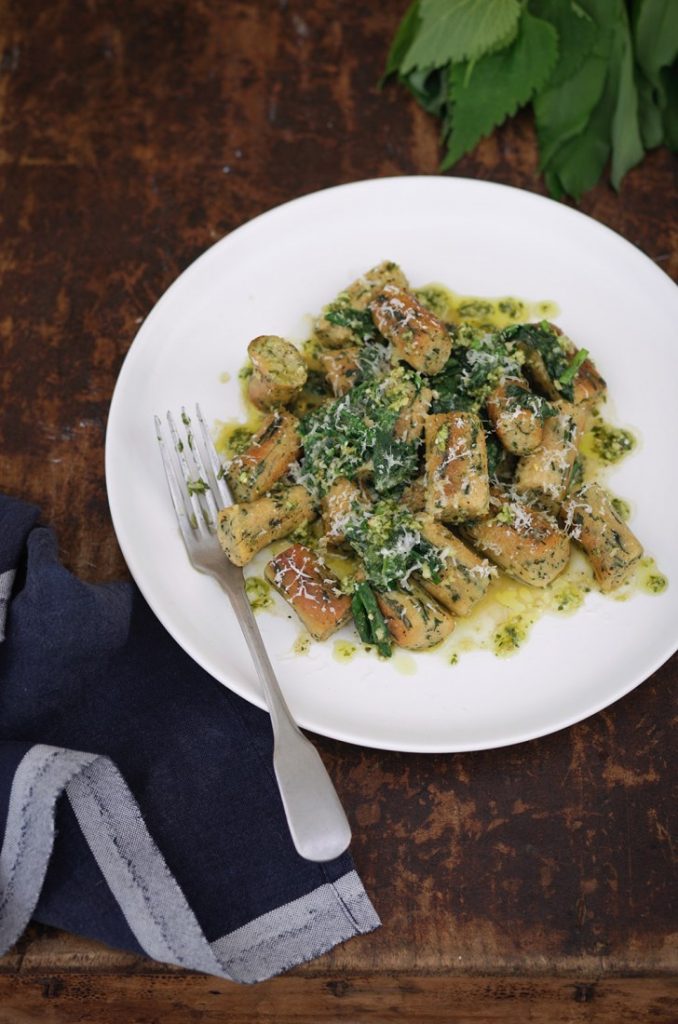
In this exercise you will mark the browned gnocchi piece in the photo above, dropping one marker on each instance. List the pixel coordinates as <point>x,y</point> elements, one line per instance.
<point>357,295</point>
<point>414,495</point>
<point>272,450</point>
<point>311,589</point>
<point>414,620</point>
<point>548,470</point>
<point>518,426</point>
<point>278,371</point>
<point>456,467</point>
<point>342,369</point>
<point>587,385</point>
<point>418,337</point>
<point>465,577</point>
<point>524,542</point>
<point>337,506</point>
<point>411,421</point>
<point>611,547</point>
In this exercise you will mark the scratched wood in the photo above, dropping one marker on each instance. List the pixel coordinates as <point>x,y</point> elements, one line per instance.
<point>533,883</point>
<point>358,999</point>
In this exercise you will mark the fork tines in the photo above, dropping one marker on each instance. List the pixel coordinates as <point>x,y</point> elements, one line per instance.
<point>195,473</point>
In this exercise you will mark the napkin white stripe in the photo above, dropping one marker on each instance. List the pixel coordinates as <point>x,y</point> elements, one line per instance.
<point>38,782</point>
<point>298,931</point>
<point>6,581</point>
<point>146,891</point>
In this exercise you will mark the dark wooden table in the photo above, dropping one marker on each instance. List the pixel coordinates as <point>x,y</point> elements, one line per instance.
<point>530,883</point>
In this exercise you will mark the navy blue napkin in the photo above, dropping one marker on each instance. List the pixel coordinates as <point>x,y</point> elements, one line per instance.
<point>137,798</point>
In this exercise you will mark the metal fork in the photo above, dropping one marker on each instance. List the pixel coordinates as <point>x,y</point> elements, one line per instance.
<point>195,476</point>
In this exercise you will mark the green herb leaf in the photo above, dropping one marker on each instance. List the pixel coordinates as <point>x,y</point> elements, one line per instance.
<point>670,119</point>
<point>577,33</point>
<point>456,30</point>
<point>655,34</point>
<point>627,146</point>
<point>430,89</point>
<point>563,109</point>
<point>612,90</point>
<point>578,163</point>
<point>402,41</point>
<point>498,84</point>
<point>562,113</point>
<point>650,111</point>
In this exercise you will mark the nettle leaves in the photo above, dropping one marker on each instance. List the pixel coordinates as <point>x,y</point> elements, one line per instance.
<point>601,76</point>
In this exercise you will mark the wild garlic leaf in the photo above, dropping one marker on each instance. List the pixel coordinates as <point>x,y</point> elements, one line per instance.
<point>650,108</point>
<point>456,30</point>
<point>402,40</point>
<point>430,89</point>
<point>670,118</point>
<point>655,33</point>
<point>563,112</point>
<point>578,163</point>
<point>627,146</point>
<point>577,33</point>
<point>498,84</point>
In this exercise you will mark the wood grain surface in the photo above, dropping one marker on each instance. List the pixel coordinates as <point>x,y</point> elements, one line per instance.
<point>530,883</point>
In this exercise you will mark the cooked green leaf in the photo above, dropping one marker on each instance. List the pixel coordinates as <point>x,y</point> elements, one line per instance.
<point>568,375</point>
<point>389,542</point>
<point>498,84</point>
<point>370,623</point>
<point>455,30</point>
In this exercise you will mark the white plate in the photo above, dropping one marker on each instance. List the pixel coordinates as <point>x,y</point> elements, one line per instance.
<point>478,238</point>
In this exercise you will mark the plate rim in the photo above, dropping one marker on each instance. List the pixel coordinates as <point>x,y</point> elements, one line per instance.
<point>135,348</point>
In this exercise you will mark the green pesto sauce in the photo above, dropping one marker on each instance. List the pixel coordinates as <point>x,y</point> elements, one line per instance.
<point>649,578</point>
<point>258,592</point>
<point>482,312</point>
<point>622,508</point>
<point>302,644</point>
<point>607,444</point>
<point>454,659</point>
<point>344,650</point>
<point>569,598</point>
<point>232,438</point>
<point>508,638</point>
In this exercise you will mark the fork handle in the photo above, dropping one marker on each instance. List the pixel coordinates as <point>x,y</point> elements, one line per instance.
<point>317,821</point>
